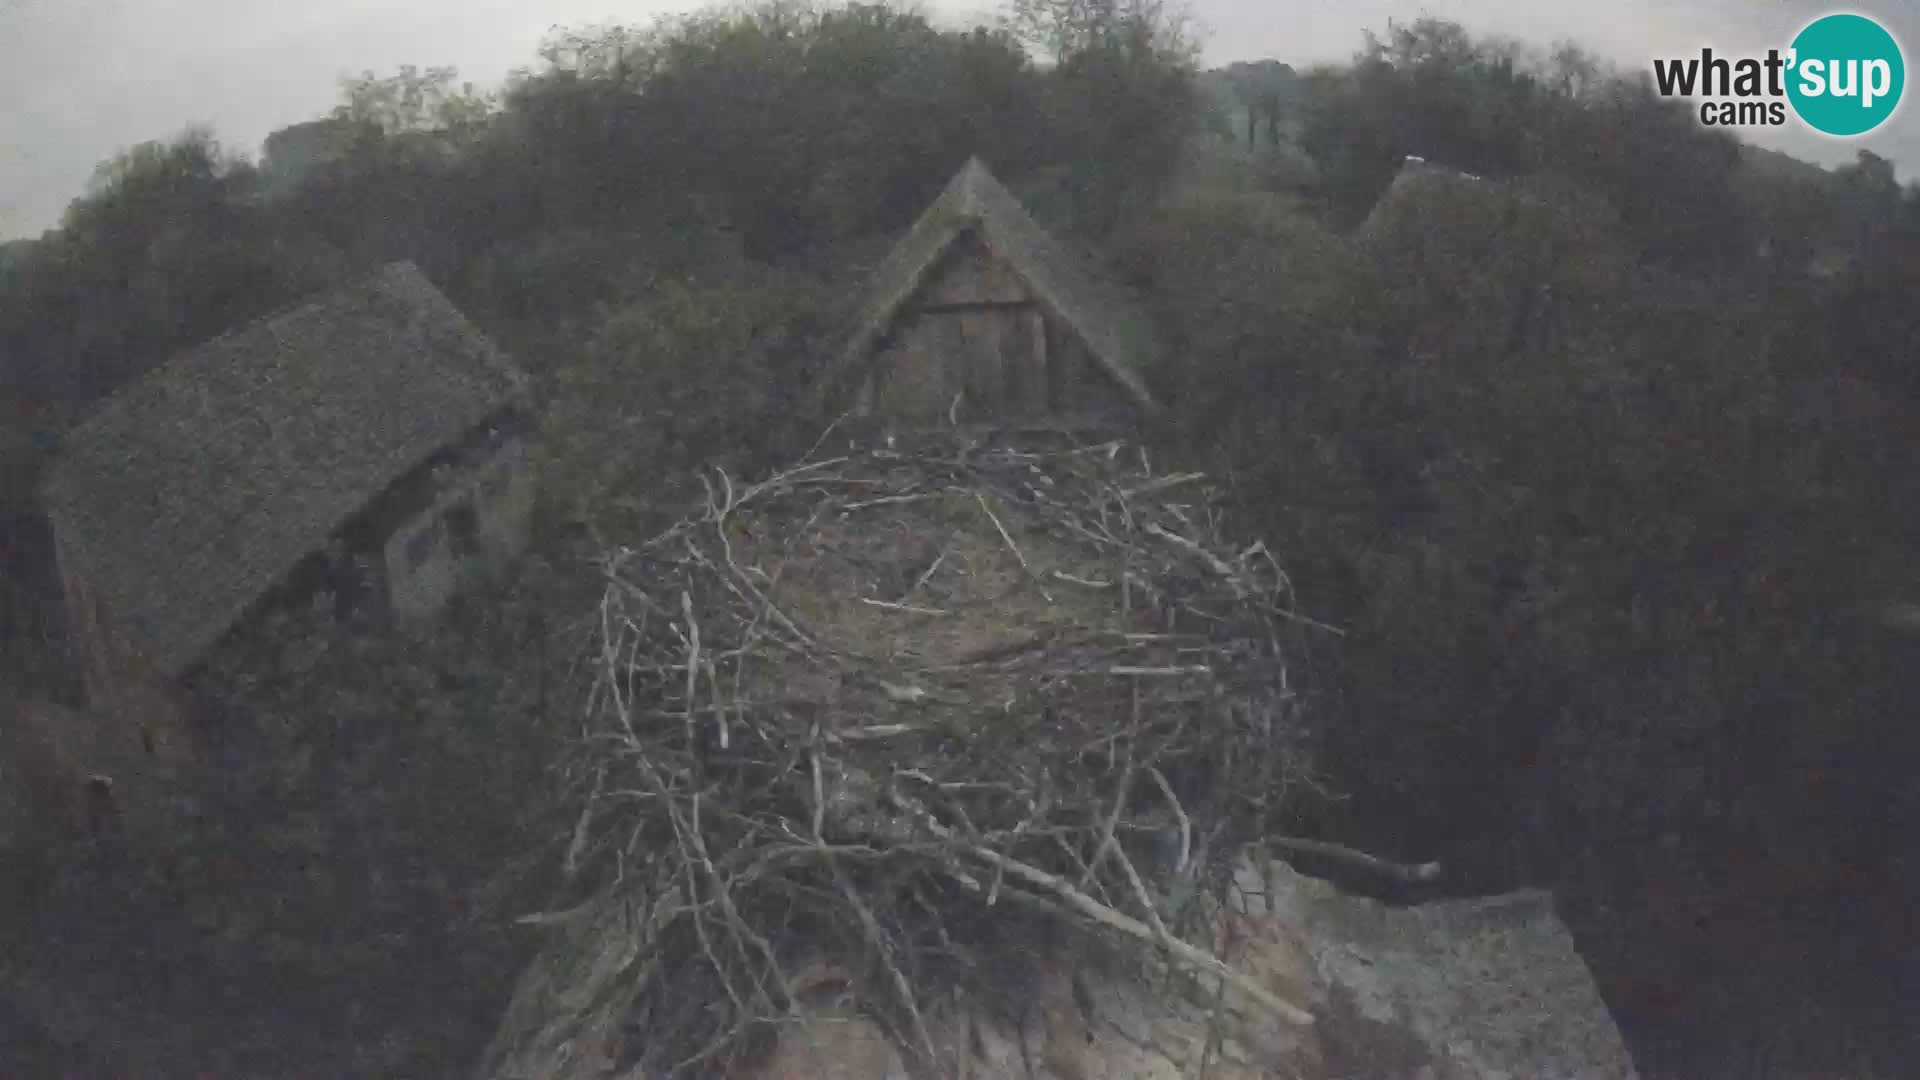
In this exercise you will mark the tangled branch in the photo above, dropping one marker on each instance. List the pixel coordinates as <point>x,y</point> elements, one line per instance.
<point>891,706</point>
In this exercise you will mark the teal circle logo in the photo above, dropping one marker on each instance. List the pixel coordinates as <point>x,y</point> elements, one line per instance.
<point>1846,76</point>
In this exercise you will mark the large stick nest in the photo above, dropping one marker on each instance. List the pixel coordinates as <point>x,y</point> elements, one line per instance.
<point>895,706</point>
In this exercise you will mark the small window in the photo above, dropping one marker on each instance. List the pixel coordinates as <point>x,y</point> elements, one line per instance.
<point>420,548</point>
<point>464,527</point>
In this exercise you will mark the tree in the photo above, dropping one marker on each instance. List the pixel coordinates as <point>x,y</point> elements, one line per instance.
<point>168,246</point>
<point>1122,95</point>
<point>1268,90</point>
<point>693,372</point>
<point>1065,29</point>
<point>413,100</point>
<point>1491,107</point>
<point>1572,72</point>
<point>795,126</point>
<point>1868,201</point>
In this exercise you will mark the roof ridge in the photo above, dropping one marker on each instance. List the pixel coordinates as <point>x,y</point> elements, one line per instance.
<point>975,198</point>
<point>317,300</point>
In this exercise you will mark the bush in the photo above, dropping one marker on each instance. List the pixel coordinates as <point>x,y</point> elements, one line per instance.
<point>1574,521</point>
<point>1253,295</point>
<point>380,785</point>
<point>692,371</point>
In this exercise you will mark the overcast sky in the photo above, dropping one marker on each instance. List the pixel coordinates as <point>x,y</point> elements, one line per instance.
<point>81,80</point>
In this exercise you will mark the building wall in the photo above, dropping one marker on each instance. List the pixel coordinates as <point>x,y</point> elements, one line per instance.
<point>505,500</point>
<point>1008,365</point>
<point>419,571</point>
<point>120,685</point>
<point>50,753</point>
<point>478,520</point>
<point>93,648</point>
<point>972,274</point>
<point>975,331</point>
<point>135,730</point>
<point>991,359</point>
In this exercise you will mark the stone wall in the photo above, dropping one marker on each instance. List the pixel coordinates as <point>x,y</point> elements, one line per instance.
<point>479,519</point>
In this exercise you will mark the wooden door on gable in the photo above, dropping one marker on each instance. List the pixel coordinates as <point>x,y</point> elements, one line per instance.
<point>974,336</point>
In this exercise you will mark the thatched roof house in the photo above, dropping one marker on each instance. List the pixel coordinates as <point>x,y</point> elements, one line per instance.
<point>978,313</point>
<point>1415,169</point>
<point>197,489</point>
<point>1418,178</point>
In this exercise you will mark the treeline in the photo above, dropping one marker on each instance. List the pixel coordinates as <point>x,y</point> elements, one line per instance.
<point>779,130</point>
<point>1600,456</point>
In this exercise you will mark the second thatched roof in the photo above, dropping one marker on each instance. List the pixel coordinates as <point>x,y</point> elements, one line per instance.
<point>194,490</point>
<point>1417,178</point>
<point>1117,337</point>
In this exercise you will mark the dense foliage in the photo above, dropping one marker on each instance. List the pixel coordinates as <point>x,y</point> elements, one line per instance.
<point>1596,457</point>
<point>1603,484</point>
<point>706,371</point>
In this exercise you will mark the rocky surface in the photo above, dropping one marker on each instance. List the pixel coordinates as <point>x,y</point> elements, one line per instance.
<point>1492,986</point>
<point>1486,989</point>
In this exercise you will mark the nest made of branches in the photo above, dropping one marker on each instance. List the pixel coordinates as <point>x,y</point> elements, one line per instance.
<point>879,711</point>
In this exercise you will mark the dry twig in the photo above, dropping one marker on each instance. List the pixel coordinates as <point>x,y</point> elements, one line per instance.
<point>862,768</point>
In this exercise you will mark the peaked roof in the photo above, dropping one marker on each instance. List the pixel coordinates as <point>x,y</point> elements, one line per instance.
<point>973,200</point>
<point>193,490</point>
<point>1417,176</point>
